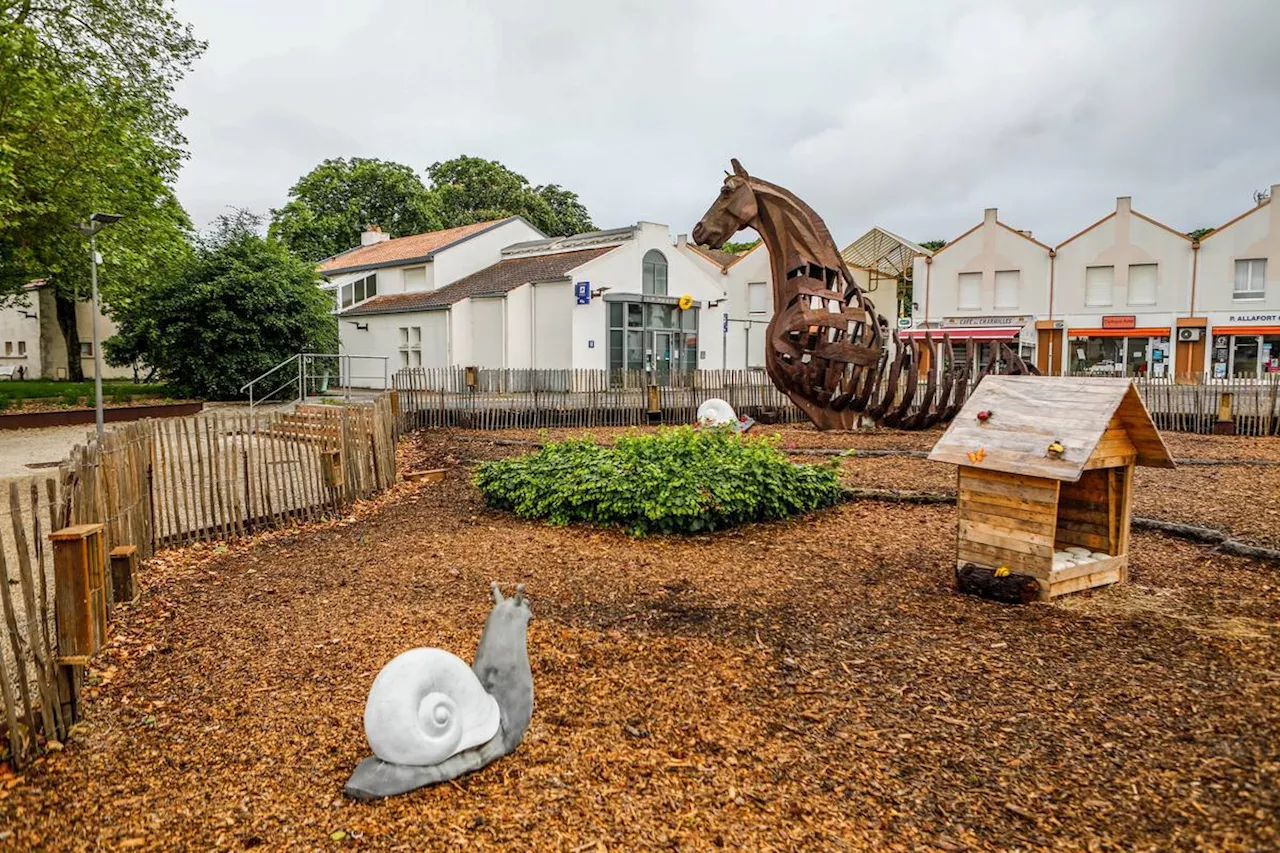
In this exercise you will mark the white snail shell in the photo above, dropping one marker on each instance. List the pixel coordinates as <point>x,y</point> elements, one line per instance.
<point>426,705</point>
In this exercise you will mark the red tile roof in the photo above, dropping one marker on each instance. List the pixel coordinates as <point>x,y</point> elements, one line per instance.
<point>416,247</point>
<point>498,279</point>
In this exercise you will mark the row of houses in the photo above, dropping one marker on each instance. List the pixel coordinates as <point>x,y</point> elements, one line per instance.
<point>1126,296</point>
<point>32,345</point>
<point>502,294</point>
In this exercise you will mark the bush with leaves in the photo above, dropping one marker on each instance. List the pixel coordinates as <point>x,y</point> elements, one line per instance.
<point>673,481</point>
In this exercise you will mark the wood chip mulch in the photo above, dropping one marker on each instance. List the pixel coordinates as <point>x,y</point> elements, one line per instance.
<point>813,684</point>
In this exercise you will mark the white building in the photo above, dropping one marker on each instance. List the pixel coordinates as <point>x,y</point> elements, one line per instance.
<point>503,295</point>
<point>33,344</point>
<point>1235,297</point>
<point>987,285</point>
<point>1117,288</point>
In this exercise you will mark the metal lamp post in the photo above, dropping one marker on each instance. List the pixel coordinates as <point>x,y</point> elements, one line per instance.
<point>90,229</point>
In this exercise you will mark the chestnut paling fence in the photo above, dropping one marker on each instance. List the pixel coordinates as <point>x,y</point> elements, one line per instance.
<point>158,483</point>
<point>485,398</point>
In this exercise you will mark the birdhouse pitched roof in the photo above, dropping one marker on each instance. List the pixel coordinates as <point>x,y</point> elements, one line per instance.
<point>1029,413</point>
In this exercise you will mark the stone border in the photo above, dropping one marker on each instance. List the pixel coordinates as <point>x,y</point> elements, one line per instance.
<point>77,417</point>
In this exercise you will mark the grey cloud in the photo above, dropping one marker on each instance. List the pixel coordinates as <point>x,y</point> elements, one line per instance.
<point>913,115</point>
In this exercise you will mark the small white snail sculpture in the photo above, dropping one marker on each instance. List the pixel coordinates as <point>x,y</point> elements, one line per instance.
<point>431,718</point>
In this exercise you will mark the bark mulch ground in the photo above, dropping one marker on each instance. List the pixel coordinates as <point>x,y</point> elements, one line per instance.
<point>807,685</point>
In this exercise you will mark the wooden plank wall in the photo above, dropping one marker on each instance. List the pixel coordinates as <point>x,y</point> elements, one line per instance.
<point>522,399</point>
<point>161,483</point>
<point>1006,520</point>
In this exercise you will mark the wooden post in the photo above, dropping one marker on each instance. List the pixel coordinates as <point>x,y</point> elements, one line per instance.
<point>1224,425</point>
<point>124,573</point>
<point>80,584</point>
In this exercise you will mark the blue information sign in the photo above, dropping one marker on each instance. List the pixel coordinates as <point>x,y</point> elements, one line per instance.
<point>582,290</point>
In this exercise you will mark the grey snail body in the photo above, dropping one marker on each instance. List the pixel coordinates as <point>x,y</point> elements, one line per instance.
<point>426,709</point>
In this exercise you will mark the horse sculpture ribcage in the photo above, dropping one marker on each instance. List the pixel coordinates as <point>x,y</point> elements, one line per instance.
<point>826,346</point>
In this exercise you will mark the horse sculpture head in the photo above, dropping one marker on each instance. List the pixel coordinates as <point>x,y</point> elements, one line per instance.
<point>733,210</point>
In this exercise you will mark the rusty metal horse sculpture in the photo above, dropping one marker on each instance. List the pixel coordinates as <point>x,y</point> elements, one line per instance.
<point>825,346</point>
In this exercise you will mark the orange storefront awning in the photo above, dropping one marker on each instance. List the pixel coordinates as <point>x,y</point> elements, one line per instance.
<point>1139,332</point>
<point>1245,330</point>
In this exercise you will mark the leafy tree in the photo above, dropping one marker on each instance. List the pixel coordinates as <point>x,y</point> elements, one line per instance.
<point>932,245</point>
<point>335,201</point>
<point>739,248</point>
<point>1200,233</point>
<point>88,124</point>
<point>240,305</point>
<point>472,189</point>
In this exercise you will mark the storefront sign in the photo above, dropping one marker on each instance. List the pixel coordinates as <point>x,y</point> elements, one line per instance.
<point>984,321</point>
<point>1119,321</point>
<point>1254,318</point>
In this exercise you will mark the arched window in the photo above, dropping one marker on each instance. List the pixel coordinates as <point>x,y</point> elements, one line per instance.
<point>654,280</point>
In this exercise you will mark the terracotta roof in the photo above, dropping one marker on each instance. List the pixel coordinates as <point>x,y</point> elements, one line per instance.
<point>399,250</point>
<point>496,280</point>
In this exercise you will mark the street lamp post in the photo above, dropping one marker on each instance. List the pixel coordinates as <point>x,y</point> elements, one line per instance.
<point>90,229</point>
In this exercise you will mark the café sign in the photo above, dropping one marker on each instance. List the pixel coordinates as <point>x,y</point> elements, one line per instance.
<point>964,322</point>
<point>1120,321</point>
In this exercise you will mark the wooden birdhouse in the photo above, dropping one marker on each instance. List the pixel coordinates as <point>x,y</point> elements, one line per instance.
<point>1045,478</point>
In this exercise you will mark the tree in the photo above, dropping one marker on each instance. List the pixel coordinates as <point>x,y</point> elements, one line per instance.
<point>471,189</point>
<point>1198,234</point>
<point>332,204</point>
<point>240,305</point>
<point>739,248</point>
<point>933,245</point>
<point>88,124</point>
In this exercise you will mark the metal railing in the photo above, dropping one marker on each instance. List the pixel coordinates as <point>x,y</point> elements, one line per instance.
<point>309,373</point>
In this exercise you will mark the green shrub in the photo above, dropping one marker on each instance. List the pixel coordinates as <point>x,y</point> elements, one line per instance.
<point>673,481</point>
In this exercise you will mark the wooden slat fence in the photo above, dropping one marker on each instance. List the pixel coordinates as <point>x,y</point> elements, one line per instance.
<point>515,399</point>
<point>160,483</point>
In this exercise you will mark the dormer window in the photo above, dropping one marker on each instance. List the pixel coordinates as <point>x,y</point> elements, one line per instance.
<point>355,292</point>
<point>654,279</point>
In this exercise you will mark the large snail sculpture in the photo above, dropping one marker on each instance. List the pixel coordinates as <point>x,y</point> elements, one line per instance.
<point>431,718</point>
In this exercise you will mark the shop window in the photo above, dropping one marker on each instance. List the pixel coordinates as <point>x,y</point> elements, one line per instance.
<point>969,295</point>
<point>1269,356</point>
<point>1007,285</point>
<point>651,337</point>
<point>758,297</point>
<point>654,273</point>
<point>1098,285</point>
<point>1142,284</point>
<point>1251,279</point>
<point>1244,357</point>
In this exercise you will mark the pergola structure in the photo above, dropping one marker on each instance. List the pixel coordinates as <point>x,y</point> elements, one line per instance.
<point>884,254</point>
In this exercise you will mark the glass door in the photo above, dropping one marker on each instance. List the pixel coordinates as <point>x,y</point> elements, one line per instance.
<point>1244,357</point>
<point>662,357</point>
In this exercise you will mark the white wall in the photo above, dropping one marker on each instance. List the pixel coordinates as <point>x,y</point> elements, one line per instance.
<point>553,326</point>
<point>519,327</point>
<point>478,252</point>
<point>1255,235</point>
<point>17,333</point>
<point>488,331</point>
<point>1121,241</point>
<point>989,248</point>
<point>383,339</point>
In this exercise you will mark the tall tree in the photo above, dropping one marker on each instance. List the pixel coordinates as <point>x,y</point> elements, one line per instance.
<point>240,305</point>
<point>330,205</point>
<point>89,124</point>
<point>472,189</point>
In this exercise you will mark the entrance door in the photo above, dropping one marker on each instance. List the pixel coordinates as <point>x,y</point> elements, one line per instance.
<point>662,357</point>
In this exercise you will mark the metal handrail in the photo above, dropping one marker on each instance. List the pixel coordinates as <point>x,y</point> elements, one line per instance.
<point>304,360</point>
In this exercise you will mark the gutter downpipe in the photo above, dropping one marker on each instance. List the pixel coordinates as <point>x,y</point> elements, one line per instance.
<point>1053,266</point>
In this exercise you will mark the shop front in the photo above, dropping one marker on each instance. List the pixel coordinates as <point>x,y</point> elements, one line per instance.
<point>653,334</point>
<point>1247,346</point>
<point>974,340</point>
<point>1120,347</point>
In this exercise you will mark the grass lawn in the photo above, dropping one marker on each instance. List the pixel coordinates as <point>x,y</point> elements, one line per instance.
<point>14,392</point>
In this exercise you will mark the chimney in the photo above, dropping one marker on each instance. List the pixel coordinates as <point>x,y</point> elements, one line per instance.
<point>373,234</point>
<point>1124,204</point>
<point>989,216</point>
<point>682,240</point>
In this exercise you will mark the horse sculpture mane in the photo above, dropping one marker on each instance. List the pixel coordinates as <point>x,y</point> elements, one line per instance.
<point>825,345</point>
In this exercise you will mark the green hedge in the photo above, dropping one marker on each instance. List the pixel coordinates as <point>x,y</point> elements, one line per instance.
<point>674,481</point>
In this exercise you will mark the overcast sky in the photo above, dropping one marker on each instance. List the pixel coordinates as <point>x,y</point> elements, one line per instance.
<point>913,114</point>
